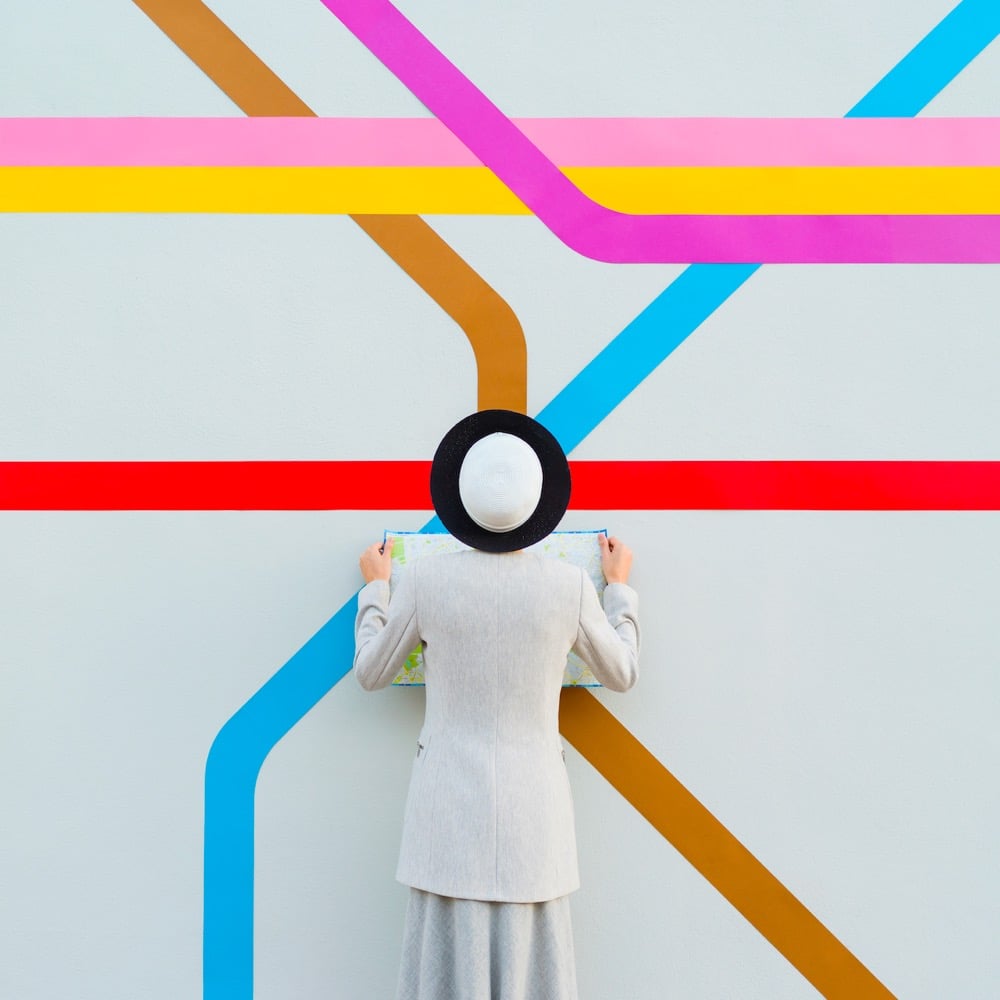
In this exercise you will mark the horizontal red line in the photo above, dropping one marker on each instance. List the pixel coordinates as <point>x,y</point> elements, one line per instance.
<point>404,486</point>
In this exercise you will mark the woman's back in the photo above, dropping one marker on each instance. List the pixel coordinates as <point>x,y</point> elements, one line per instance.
<point>489,813</point>
<point>496,630</point>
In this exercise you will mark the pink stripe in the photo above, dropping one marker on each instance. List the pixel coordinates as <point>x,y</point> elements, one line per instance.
<point>766,142</point>
<point>598,142</point>
<point>602,234</point>
<point>224,142</point>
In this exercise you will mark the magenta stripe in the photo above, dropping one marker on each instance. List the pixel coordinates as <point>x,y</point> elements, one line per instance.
<point>602,234</point>
<point>583,142</point>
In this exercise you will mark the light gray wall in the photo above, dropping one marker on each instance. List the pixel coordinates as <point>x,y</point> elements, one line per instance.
<point>826,683</point>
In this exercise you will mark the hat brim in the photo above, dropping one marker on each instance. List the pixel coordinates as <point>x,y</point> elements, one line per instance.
<point>447,464</point>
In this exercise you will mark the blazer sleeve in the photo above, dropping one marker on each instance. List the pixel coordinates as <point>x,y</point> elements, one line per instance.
<point>385,630</point>
<point>608,638</point>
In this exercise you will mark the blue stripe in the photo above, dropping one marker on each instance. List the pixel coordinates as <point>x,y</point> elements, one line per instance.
<point>244,742</point>
<point>933,63</point>
<point>234,762</point>
<point>637,351</point>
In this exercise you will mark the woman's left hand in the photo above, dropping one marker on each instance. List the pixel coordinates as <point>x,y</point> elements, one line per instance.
<point>376,561</point>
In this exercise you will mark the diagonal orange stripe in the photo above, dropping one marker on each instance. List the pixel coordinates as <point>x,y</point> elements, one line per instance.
<point>224,58</point>
<point>488,322</point>
<point>714,851</point>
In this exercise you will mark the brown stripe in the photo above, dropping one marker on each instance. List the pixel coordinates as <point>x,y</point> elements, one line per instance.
<point>486,319</point>
<point>489,323</point>
<point>224,58</point>
<point>714,851</point>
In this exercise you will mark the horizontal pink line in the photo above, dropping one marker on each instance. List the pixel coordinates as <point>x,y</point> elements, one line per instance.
<point>583,142</point>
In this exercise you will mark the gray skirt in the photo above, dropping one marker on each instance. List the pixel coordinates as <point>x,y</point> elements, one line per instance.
<point>465,949</point>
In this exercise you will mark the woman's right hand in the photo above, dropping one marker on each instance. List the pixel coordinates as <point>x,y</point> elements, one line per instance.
<point>616,559</point>
<point>376,561</point>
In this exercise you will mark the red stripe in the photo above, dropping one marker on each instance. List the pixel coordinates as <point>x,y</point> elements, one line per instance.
<point>214,486</point>
<point>404,486</point>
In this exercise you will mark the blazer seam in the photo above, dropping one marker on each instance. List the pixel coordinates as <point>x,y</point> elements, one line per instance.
<point>496,732</point>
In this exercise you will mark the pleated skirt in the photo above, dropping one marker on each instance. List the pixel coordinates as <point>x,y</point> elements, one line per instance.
<point>465,949</point>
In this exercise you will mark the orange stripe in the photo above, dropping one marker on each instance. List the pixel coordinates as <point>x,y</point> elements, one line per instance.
<point>714,851</point>
<point>486,319</point>
<point>224,58</point>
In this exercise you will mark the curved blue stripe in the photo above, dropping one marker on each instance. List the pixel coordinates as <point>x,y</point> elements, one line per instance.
<point>234,761</point>
<point>244,742</point>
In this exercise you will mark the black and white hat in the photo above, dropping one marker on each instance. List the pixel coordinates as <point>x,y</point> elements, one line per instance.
<point>499,481</point>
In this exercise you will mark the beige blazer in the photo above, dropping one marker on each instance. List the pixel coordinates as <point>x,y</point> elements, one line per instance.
<point>489,813</point>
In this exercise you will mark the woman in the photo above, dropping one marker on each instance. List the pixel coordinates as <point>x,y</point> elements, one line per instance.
<point>488,841</point>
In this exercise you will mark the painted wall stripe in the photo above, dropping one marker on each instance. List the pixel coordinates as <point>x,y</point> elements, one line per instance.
<point>227,485</point>
<point>597,232</point>
<point>427,142</point>
<point>224,58</point>
<point>234,762</point>
<point>488,322</point>
<point>599,486</point>
<point>645,343</point>
<point>722,192</point>
<point>713,851</point>
<point>933,62</point>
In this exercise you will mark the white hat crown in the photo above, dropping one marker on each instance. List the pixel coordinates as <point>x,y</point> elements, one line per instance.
<point>500,482</point>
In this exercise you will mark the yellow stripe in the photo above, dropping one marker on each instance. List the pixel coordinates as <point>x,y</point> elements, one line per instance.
<point>283,190</point>
<point>476,191</point>
<point>794,190</point>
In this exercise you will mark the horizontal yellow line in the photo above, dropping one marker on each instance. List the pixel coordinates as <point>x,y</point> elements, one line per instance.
<point>476,191</point>
<point>795,191</point>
